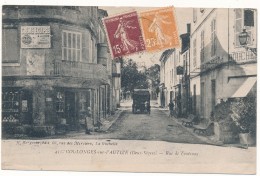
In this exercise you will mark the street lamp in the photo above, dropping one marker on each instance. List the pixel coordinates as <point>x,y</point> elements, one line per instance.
<point>243,39</point>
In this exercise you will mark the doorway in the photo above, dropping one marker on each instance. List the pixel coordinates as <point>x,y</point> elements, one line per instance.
<point>70,109</point>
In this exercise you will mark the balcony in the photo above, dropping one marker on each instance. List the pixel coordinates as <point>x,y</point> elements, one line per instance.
<point>80,70</point>
<point>242,57</point>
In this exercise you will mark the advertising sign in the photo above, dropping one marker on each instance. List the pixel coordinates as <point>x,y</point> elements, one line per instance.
<point>35,37</point>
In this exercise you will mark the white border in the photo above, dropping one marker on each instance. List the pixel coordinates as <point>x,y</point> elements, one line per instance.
<point>140,3</point>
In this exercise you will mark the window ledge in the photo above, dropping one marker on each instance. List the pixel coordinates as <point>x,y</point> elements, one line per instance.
<point>11,64</point>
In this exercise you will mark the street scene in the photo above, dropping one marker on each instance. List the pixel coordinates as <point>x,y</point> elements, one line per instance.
<point>74,72</point>
<point>102,88</point>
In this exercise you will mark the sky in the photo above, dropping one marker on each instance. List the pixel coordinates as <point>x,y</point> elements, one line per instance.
<point>183,16</point>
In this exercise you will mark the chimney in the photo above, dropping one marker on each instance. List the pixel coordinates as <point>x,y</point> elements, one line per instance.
<point>188,28</point>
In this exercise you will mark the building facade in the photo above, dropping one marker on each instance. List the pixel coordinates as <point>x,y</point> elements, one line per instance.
<point>56,67</point>
<point>219,65</point>
<point>174,76</point>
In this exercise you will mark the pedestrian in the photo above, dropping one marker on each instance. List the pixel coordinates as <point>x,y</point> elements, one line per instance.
<point>89,114</point>
<point>171,107</point>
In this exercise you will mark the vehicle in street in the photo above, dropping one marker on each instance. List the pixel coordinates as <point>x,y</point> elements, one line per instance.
<point>141,101</point>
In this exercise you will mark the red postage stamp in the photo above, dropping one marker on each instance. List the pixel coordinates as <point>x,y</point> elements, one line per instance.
<point>124,34</point>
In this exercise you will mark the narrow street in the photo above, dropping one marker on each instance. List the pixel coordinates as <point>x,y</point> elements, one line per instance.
<point>156,126</point>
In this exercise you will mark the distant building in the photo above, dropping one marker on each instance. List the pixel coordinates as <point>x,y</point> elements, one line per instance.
<point>56,67</point>
<point>174,76</point>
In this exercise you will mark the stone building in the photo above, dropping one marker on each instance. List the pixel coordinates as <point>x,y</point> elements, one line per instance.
<point>56,67</point>
<point>221,67</point>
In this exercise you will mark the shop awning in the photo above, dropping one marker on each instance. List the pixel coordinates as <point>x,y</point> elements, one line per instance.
<point>244,89</point>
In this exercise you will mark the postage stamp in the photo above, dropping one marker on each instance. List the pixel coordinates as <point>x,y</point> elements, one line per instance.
<point>124,34</point>
<point>159,29</point>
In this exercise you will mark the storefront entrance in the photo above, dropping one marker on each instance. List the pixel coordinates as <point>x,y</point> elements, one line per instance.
<point>70,110</point>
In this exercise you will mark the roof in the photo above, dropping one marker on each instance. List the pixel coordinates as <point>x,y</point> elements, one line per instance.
<point>166,54</point>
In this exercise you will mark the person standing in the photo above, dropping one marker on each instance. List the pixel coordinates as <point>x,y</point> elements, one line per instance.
<point>171,107</point>
<point>89,114</point>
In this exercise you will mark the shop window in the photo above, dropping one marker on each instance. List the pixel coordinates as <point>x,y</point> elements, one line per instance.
<point>71,46</point>
<point>10,105</point>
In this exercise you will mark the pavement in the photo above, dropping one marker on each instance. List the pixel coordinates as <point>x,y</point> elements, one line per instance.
<point>206,139</point>
<point>110,120</point>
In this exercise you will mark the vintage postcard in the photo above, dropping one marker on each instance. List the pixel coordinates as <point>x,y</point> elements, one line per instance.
<point>131,89</point>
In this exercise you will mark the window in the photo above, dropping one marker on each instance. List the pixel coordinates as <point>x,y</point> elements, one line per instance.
<point>213,94</point>
<point>213,38</point>
<point>247,23</point>
<point>202,98</point>
<point>82,102</point>
<point>248,17</point>
<point>94,51</point>
<point>172,75</point>
<point>60,102</point>
<point>202,46</point>
<point>194,53</point>
<point>10,101</point>
<point>194,15</point>
<point>91,48</point>
<point>10,45</point>
<point>71,46</point>
<point>194,98</point>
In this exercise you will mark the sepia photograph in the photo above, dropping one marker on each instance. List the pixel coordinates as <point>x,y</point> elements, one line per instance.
<point>133,89</point>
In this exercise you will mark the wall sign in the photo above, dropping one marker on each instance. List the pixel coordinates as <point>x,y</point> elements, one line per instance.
<point>35,37</point>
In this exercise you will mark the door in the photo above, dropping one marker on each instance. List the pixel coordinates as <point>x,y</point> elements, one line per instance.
<point>70,110</point>
<point>194,99</point>
<point>202,100</point>
<point>213,94</point>
<point>26,106</point>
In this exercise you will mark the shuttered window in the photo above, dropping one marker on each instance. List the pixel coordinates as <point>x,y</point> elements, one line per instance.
<point>10,46</point>
<point>71,46</point>
<point>213,38</point>
<point>194,53</point>
<point>202,45</point>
